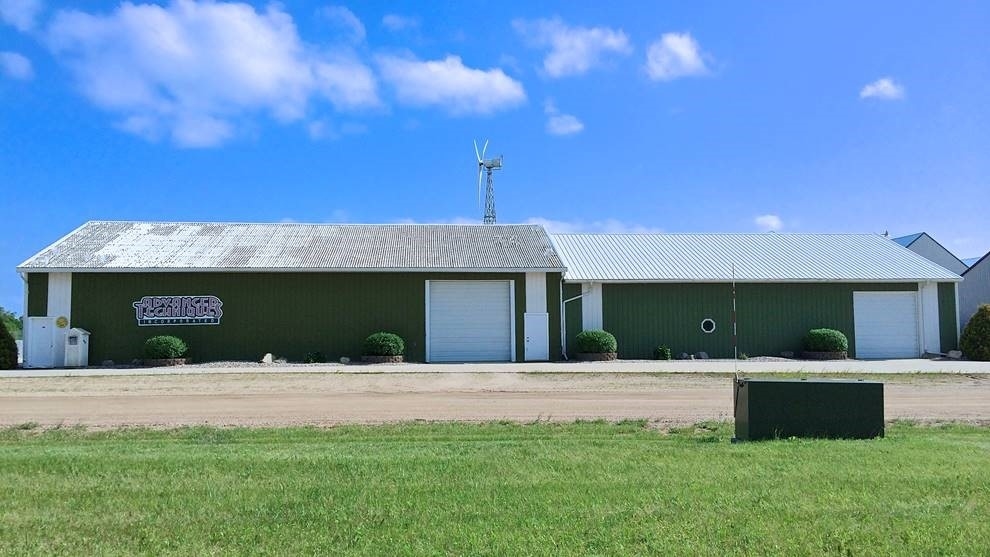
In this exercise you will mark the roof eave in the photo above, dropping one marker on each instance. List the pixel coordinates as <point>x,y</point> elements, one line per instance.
<point>23,269</point>
<point>758,281</point>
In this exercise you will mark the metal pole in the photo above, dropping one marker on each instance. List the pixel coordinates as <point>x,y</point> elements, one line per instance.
<point>735,341</point>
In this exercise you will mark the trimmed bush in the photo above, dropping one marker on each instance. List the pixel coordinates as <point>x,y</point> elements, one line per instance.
<point>826,340</point>
<point>596,342</point>
<point>975,341</point>
<point>8,349</point>
<point>384,344</point>
<point>663,352</point>
<point>315,358</point>
<point>164,347</point>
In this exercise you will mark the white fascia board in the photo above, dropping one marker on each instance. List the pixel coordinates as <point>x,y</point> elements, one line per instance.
<point>762,281</point>
<point>287,270</point>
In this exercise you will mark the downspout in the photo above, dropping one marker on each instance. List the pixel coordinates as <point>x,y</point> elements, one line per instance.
<point>563,316</point>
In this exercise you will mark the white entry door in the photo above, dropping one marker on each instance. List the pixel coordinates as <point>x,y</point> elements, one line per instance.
<point>39,346</point>
<point>536,327</point>
<point>886,324</point>
<point>470,321</point>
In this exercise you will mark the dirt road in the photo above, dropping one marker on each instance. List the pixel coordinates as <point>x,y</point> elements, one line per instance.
<point>297,399</point>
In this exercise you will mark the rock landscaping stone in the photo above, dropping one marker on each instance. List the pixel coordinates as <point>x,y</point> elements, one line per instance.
<point>164,362</point>
<point>809,355</point>
<point>596,356</point>
<point>382,359</point>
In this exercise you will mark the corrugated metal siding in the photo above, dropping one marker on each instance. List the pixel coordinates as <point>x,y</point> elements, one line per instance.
<point>757,258</point>
<point>553,309</point>
<point>927,247</point>
<point>947,317</point>
<point>287,314</point>
<point>974,290</point>
<point>771,317</point>
<point>233,246</point>
<point>37,295</point>
<point>572,315</point>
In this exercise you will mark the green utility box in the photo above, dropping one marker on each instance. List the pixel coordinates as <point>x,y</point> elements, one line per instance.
<point>776,408</point>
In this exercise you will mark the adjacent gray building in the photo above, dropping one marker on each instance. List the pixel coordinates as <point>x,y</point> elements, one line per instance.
<point>927,247</point>
<point>974,290</point>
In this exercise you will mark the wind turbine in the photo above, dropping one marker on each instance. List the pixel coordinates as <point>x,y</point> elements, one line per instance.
<point>489,166</point>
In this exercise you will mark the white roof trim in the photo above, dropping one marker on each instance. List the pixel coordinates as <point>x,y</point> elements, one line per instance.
<point>289,270</point>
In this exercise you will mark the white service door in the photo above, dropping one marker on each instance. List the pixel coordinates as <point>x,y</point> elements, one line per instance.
<point>40,348</point>
<point>886,324</point>
<point>470,321</point>
<point>536,327</point>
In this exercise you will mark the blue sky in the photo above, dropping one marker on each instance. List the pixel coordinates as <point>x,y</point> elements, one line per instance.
<point>645,116</point>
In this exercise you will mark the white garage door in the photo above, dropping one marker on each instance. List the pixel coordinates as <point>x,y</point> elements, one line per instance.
<point>886,324</point>
<point>470,321</point>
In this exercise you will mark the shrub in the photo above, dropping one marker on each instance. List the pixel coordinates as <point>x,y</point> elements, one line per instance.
<point>663,352</point>
<point>315,358</point>
<point>8,349</point>
<point>975,340</point>
<point>596,342</point>
<point>384,344</point>
<point>12,323</point>
<point>826,340</point>
<point>164,347</point>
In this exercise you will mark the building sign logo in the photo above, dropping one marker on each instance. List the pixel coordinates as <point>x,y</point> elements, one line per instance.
<point>178,310</point>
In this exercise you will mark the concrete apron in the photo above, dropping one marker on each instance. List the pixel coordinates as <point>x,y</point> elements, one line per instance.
<point>617,366</point>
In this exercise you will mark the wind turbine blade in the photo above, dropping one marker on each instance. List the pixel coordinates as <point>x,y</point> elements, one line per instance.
<point>480,172</point>
<point>484,150</point>
<point>476,151</point>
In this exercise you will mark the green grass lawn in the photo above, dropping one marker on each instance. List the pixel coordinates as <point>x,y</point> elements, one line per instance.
<point>495,489</point>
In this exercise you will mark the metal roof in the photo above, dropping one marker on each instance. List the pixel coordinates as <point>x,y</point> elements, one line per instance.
<point>976,261</point>
<point>172,246</point>
<point>756,257</point>
<point>909,239</point>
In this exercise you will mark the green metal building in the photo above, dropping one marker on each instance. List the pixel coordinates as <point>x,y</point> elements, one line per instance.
<point>465,293</point>
<point>238,291</point>
<point>680,290</point>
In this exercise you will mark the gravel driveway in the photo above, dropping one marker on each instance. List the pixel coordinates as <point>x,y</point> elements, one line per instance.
<point>326,399</point>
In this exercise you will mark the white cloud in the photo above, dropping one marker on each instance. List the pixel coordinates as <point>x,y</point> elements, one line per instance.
<point>15,66</point>
<point>675,55</point>
<point>563,124</point>
<point>395,22</point>
<point>560,124</point>
<point>884,88</point>
<point>323,129</point>
<point>573,50</point>
<point>606,226</point>
<point>450,84</point>
<point>21,14</point>
<point>191,70</point>
<point>346,19</point>
<point>769,223</point>
<point>454,220</point>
